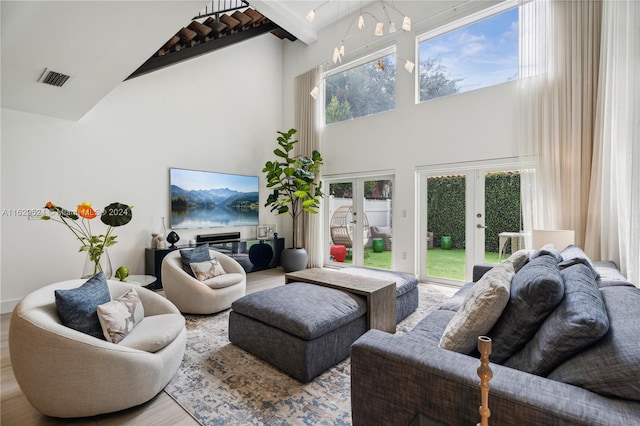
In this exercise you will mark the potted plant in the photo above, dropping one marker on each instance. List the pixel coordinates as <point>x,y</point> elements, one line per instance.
<point>295,189</point>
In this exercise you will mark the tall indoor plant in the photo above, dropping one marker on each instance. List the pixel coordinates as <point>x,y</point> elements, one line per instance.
<point>295,189</point>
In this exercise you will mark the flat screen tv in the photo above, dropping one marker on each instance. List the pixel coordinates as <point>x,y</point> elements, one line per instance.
<point>201,199</point>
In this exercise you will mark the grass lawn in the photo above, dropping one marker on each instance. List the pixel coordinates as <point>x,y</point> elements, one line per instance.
<point>441,263</point>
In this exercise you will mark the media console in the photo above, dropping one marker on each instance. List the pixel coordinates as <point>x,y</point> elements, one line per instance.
<point>253,254</point>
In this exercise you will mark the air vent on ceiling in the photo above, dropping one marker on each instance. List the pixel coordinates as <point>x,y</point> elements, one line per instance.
<point>53,78</point>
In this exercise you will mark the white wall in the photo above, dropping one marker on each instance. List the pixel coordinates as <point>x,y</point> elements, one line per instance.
<point>468,127</point>
<point>219,112</point>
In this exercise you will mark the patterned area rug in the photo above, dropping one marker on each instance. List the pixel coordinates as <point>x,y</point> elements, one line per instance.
<point>221,384</point>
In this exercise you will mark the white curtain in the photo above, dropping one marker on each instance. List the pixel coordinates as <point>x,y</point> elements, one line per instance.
<point>613,225</point>
<point>308,140</point>
<point>578,163</point>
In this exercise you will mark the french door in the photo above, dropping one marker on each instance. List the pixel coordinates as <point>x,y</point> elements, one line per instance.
<point>359,224</point>
<point>468,214</point>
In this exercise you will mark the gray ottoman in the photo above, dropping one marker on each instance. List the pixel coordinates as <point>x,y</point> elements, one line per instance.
<point>302,329</point>
<point>407,296</point>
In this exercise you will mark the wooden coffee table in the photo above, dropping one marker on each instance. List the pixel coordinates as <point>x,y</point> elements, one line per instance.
<point>379,293</point>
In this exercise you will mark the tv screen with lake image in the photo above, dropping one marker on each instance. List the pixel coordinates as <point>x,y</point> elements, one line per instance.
<point>202,199</point>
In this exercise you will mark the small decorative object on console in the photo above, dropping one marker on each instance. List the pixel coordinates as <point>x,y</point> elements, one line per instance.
<point>173,238</point>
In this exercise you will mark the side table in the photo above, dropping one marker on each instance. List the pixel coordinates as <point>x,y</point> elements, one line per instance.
<point>142,280</point>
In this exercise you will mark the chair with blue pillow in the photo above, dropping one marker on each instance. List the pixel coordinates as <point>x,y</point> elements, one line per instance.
<point>201,280</point>
<point>67,368</point>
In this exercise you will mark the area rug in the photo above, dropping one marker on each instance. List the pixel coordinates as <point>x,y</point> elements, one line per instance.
<point>221,384</point>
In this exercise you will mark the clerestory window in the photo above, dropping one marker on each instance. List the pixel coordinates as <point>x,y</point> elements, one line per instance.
<point>478,51</point>
<point>361,88</point>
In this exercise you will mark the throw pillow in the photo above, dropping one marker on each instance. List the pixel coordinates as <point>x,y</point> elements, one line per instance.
<point>208,269</point>
<point>578,321</point>
<point>198,254</point>
<point>536,290</point>
<point>548,249</point>
<point>77,307</point>
<point>479,311</point>
<point>572,255</point>
<point>612,365</point>
<point>118,317</point>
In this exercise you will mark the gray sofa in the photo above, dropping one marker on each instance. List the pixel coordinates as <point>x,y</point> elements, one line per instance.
<point>399,379</point>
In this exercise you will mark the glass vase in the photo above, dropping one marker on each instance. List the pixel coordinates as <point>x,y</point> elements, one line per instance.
<point>103,264</point>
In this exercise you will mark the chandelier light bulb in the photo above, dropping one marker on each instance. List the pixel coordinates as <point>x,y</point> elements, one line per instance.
<point>311,16</point>
<point>392,27</point>
<point>406,23</point>
<point>314,92</point>
<point>341,49</point>
<point>378,30</point>
<point>408,65</point>
<point>361,22</point>
<point>336,56</point>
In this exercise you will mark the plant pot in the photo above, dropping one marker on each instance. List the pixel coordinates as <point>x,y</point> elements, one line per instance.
<point>294,259</point>
<point>445,243</point>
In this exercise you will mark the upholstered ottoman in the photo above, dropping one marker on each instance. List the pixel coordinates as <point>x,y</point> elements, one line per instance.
<point>302,329</point>
<point>407,296</point>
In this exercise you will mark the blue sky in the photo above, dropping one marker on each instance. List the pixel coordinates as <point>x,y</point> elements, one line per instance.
<point>482,53</point>
<point>194,180</point>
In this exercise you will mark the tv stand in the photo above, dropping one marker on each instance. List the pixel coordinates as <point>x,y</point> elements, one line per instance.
<point>247,252</point>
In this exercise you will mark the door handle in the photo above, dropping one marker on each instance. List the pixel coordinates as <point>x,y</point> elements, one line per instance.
<point>480,226</point>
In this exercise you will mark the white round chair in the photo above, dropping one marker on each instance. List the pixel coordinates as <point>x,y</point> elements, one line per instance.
<point>66,373</point>
<point>193,296</point>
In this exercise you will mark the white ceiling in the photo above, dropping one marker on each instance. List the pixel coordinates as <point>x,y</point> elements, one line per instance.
<point>100,43</point>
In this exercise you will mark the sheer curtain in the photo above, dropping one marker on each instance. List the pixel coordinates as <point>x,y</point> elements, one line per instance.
<point>308,139</point>
<point>613,225</point>
<point>580,167</point>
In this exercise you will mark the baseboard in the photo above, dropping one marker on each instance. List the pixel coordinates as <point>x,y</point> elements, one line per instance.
<point>7,306</point>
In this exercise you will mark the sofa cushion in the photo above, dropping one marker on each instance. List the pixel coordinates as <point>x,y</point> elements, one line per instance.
<point>612,365</point>
<point>78,307</point>
<point>307,311</point>
<point>480,309</point>
<point>222,281</point>
<point>536,290</point>
<point>454,302</point>
<point>432,326</point>
<point>572,255</point>
<point>198,254</point>
<point>120,316</point>
<point>578,321</point>
<point>154,332</point>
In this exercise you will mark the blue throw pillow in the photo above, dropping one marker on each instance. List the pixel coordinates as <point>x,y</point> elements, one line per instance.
<point>536,290</point>
<point>612,365</point>
<point>78,307</point>
<point>580,320</point>
<point>196,255</point>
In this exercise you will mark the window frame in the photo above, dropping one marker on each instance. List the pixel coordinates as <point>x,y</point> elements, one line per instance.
<point>378,54</point>
<point>456,25</point>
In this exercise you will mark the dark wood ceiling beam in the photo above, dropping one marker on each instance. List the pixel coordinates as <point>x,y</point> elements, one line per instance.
<point>157,62</point>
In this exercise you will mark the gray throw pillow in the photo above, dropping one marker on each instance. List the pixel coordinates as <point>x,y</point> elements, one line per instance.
<point>536,290</point>
<point>480,309</point>
<point>196,255</point>
<point>579,321</point>
<point>612,365</point>
<point>78,307</point>
<point>572,255</point>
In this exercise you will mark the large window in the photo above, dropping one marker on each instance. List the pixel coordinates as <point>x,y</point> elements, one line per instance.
<point>361,88</point>
<point>479,51</point>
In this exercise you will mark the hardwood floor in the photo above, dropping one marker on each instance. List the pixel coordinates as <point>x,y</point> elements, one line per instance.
<point>161,410</point>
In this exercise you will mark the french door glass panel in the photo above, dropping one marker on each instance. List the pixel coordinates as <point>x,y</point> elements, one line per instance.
<point>472,216</point>
<point>360,222</point>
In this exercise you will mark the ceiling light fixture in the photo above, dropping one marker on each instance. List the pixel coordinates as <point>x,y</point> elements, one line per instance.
<point>311,16</point>
<point>378,31</point>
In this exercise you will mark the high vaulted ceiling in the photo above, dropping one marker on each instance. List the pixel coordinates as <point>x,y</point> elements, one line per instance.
<point>99,43</point>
